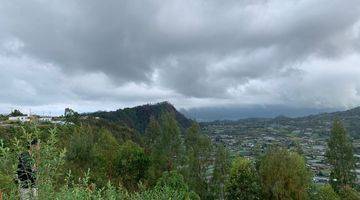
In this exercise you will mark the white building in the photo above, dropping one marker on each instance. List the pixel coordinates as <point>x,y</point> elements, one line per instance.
<point>45,119</point>
<point>20,119</point>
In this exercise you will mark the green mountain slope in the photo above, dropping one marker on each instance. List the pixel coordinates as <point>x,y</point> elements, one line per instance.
<point>138,117</point>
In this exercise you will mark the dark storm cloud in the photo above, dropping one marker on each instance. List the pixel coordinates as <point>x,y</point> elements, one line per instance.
<point>191,49</point>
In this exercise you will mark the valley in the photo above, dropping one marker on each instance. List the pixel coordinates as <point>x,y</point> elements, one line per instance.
<point>307,135</point>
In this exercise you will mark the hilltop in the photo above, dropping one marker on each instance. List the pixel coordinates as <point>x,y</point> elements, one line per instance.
<point>138,117</point>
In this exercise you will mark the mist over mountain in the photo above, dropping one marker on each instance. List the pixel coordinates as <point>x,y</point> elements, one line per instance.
<point>235,113</point>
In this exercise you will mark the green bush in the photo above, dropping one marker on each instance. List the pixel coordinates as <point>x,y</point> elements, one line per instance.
<point>131,164</point>
<point>325,192</point>
<point>244,181</point>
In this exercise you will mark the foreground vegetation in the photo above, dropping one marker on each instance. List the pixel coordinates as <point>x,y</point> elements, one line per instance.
<point>94,159</point>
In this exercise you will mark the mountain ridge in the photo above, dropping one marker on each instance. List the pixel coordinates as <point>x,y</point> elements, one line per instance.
<point>321,122</point>
<point>138,117</point>
<point>352,111</point>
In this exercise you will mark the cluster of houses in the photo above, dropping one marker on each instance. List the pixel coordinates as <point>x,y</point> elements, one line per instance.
<point>29,118</point>
<point>248,141</point>
<point>23,118</point>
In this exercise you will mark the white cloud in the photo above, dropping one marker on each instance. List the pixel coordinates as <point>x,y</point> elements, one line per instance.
<point>98,55</point>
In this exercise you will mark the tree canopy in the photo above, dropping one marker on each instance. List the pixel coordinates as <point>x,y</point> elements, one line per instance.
<point>341,157</point>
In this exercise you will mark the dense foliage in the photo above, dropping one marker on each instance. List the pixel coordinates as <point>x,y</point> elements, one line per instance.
<point>284,175</point>
<point>97,159</point>
<point>244,181</point>
<point>138,117</point>
<point>325,192</point>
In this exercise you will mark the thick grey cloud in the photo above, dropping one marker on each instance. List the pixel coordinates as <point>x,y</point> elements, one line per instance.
<point>194,53</point>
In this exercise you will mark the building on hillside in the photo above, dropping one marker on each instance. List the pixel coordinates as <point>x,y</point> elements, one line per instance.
<point>45,119</point>
<point>20,119</point>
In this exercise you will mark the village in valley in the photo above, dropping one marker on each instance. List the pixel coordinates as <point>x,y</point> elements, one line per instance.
<point>251,137</point>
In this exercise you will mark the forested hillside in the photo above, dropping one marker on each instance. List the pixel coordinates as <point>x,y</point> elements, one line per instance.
<point>139,117</point>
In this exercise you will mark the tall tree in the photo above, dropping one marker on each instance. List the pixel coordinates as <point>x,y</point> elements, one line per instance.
<point>220,173</point>
<point>341,157</point>
<point>243,181</point>
<point>198,151</point>
<point>104,156</point>
<point>152,133</point>
<point>284,175</point>
<point>170,141</point>
<point>153,141</point>
<point>165,146</point>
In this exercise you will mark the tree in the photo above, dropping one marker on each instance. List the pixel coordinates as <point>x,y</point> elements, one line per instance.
<point>104,156</point>
<point>170,142</point>
<point>198,151</point>
<point>284,175</point>
<point>243,181</point>
<point>220,173</point>
<point>131,164</point>
<point>80,147</point>
<point>16,113</point>
<point>154,144</point>
<point>71,116</point>
<point>341,157</point>
<point>174,181</point>
<point>325,192</point>
<point>152,134</point>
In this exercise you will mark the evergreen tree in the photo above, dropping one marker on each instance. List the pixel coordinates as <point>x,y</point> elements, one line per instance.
<point>198,151</point>
<point>104,156</point>
<point>153,141</point>
<point>220,173</point>
<point>243,181</point>
<point>152,134</point>
<point>340,155</point>
<point>170,142</point>
<point>165,146</point>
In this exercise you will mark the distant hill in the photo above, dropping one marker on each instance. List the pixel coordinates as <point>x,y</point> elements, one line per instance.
<point>208,114</point>
<point>319,122</point>
<point>138,117</point>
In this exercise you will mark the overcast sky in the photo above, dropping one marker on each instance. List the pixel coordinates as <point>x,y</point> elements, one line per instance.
<point>102,55</point>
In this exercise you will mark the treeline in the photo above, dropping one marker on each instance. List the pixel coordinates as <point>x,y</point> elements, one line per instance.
<point>95,159</point>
